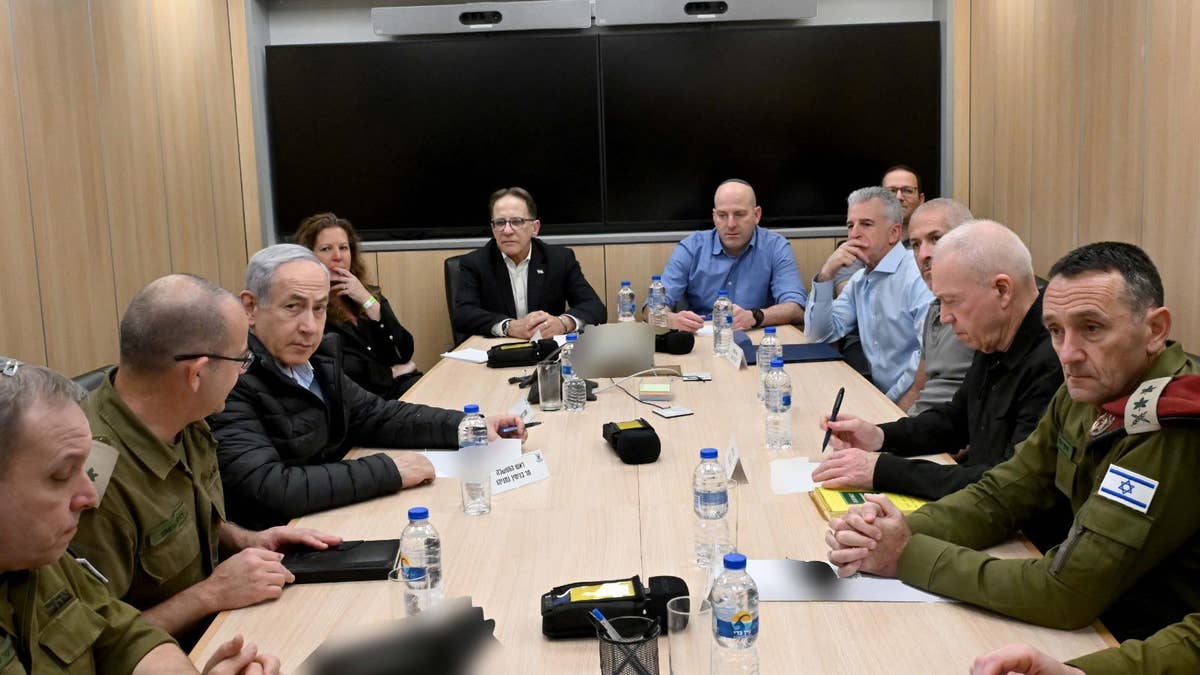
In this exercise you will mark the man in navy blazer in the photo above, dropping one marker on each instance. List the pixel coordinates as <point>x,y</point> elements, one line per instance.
<point>518,285</point>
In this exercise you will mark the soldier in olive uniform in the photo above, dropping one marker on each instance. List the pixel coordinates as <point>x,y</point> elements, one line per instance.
<point>56,615</point>
<point>160,530</point>
<point>1175,649</point>
<point>1115,441</point>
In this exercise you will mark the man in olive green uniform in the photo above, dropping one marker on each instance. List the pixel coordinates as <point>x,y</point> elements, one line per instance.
<point>1115,441</point>
<point>1175,649</point>
<point>56,616</point>
<point>160,529</point>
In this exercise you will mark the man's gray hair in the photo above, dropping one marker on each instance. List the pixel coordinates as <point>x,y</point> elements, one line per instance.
<point>954,212</point>
<point>173,315</point>
<point>263,265</point>
<point>891,206</point>
<point>987,248</point>
<point>22,387</point>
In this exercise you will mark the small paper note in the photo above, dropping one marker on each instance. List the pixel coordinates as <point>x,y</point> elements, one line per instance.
<point>531,468</point>
<point>475,461</point>
<point>733,463</point>
<point>792,475</point>
<point>468,354</point>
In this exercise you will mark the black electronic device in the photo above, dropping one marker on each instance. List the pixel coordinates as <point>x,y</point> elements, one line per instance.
<point>566,609</point>
<point>674,342</point>
<point>635,441</point>
<point>517,354</point>
<point>347,561</point>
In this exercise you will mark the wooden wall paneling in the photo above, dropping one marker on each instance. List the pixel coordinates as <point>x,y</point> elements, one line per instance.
<point>1172,182</point>
<point>133,169</point>
<point>1013,139</point>
<point>634,263</point>
<point>414,283</point>
<point>371,261</point>
<point>185,139</point>
<point>1112,152</point>
<point>961,91</point>
<point>240,55</point>
<point>20,298</point>
<point>224,158</point>
<point>983,88</point>
<point>811,255</point>
<point>1056,89</point>
<point>57,79</point>
<point>591,261</point>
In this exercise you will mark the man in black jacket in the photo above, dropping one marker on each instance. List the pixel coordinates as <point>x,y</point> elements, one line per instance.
<point>984,278</point>
<point>518,285</point>
<point>292,417</point>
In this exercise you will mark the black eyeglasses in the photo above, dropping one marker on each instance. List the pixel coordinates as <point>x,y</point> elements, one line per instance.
<point>516,223</point>
<point>244,360</point>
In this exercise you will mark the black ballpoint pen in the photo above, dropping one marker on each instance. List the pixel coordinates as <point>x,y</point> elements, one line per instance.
<point>509,430</point>
<point>837,405</point>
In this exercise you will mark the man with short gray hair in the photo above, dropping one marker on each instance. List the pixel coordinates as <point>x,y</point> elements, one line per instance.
<point>944,358</point>
<point>56,614</point>
<point>293,415</point>
<point>983,276</point>
<point>885,301</point>
<point>161,536</point>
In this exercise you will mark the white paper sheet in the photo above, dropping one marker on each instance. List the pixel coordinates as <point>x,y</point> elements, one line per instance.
<point>475,461</point>
<point>792,475</point>
<point>468,354</point>
<point>706,330</point>
<point>816,581</point>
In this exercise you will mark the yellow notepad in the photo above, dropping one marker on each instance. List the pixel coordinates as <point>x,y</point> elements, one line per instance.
<point>833,503</point>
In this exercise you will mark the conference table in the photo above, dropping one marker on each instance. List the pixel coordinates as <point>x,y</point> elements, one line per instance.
<point>597,518</point>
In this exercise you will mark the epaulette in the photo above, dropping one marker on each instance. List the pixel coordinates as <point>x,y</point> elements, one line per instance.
<point>1158,402</point>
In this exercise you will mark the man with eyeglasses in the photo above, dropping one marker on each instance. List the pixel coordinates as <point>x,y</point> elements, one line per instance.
<point>753,263</point>
<point>903,181</point>
<point>517,285</point>
<point>160,536</point>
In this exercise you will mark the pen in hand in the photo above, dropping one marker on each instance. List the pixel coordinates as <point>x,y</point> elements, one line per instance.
<point>509,430</point>
<point>837,405</point>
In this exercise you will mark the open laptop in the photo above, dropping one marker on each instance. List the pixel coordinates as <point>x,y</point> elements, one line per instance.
<point>614,350</point>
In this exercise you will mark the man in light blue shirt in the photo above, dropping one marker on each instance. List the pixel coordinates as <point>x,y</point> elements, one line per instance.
<point>753,263</point>
<point>886,300</point>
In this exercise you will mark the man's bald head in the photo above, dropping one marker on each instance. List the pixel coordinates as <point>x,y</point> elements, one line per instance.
<point>737,189</point>
<point>172,315</point>
<point>988,248</point>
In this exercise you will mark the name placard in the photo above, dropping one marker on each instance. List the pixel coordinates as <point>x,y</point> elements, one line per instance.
<point>531,468</point>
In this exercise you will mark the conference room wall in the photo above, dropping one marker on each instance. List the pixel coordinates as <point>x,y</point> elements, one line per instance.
<point>119,162</point>
<point>1082,128</point>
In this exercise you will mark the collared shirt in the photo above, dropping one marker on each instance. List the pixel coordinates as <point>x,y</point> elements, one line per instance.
<point>761,276</point>
<point>303,375</point>
<point>1136,571</point>
<point>518,277</point>
<point>61,619</point>
<point>946,361</point>
<point>887,306</point>
<point>1001,399</point>
<point>155,533</point>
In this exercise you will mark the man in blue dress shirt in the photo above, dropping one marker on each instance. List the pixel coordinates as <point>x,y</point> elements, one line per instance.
<point>753,263</point>
<point>886,300</point>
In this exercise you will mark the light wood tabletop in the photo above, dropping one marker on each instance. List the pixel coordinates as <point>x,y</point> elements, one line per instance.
<point>596,518</point>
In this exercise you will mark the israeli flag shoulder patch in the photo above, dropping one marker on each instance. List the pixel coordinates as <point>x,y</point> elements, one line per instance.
<point>1128,488</point>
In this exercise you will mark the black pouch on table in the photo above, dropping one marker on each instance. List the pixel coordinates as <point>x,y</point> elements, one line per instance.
<point>635,441</point>
<point>566,609</point>
<point>518,354</point>
<point>347,561</point>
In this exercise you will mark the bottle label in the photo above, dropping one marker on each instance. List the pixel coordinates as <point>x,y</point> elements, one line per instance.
<point>705,500</point>
<point>736,623</point>
<point>626,308</point>
<point>787,401</point>
<point>410,572</point>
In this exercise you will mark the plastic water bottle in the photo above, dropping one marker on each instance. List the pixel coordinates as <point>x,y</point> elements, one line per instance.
<point>574,390</point>
<point>722,314</point>
<point>710,501</point>
<point>768,348</point>
<point>656,302</point>
<point>567,352</point>
<point>421,551</point>
<point>472,431</point>
<point>626,301</point>
<point>777,395</point>
<point>734,599</point>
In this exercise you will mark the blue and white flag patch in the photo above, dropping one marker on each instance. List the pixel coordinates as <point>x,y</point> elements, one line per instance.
<point>1128,488</point>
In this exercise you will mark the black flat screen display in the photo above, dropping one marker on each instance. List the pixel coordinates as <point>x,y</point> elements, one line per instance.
<point>612,131</point>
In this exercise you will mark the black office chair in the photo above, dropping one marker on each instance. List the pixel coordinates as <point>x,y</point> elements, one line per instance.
<point>91,380</point>
<point>450,272</point>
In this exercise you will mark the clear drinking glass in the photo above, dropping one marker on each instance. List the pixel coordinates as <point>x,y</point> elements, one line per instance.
<point>689,634</point>
<point>549,386</point>
<point>477,495</point>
